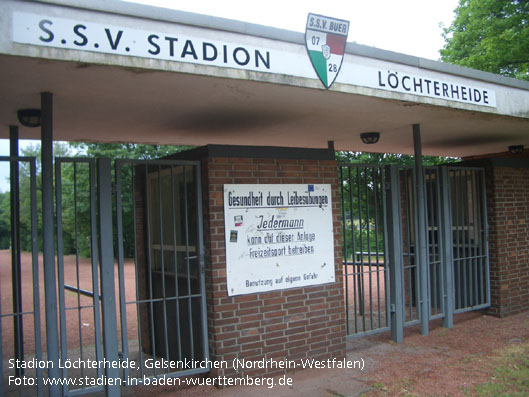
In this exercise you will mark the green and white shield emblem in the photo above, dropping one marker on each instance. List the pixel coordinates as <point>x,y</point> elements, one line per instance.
<point>325,38</point>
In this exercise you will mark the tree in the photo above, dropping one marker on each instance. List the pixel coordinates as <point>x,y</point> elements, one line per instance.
<point>362,201</point>
<point>115,151</point>
<point>389,159</point>
<point>60,150</point>
<point>5,216</point>
<point>74,194</point>
<point>125,150</point>
<point>490,35</point>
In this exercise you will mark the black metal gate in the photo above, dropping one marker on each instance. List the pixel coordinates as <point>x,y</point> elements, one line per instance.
<point>161,285</point>
<point>366,276</point>
<point>78,271</point>
<point>469,238</point>
<point>382,272</point>
<point>136,296</point>
<point>21,300</point>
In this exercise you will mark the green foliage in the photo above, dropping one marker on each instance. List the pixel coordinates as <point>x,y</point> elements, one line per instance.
<point>125,150</point>
<point>76,205</point>
<point>366,241</point>
<point>74,194</point>
<point>5,216</point>
<point>361,205</point>
<point>388,158</point>
<point>119,151</point>
<point>59,150</point>
<point>361,209</point>
<point>82,208</point>
<point>511,375</point>
<point>490,35</point>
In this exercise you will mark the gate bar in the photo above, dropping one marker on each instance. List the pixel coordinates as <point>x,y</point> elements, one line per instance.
<point>421,251</point>
<point>60,270</point>
<point>201,262</point>
<point>35,268</point>
<point>177,294</point>
<point>344,252</point>
<point>188,267</point>
<point>94,257</point>
<point>162,262</point>
<point>377,255</point>
<point>358,267</point>
<point>121,270</point>
<point>149,267</point>
<point>356,305</point>
<point>485,241</point>
<point>366,175</point>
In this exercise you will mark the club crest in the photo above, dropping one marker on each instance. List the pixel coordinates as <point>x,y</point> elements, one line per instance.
<point>325,39</point>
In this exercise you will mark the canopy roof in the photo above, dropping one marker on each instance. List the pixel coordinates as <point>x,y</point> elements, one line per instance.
<point>122,72</point>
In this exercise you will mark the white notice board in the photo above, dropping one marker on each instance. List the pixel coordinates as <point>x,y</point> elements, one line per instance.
<point>277,237</point>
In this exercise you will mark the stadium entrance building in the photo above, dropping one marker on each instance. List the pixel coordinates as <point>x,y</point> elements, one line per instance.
<point>255,249</point>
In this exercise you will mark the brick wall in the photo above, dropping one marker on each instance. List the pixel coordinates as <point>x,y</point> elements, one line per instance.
<point>508,213</point>
<point>141,257</point>
<point>287,324</point>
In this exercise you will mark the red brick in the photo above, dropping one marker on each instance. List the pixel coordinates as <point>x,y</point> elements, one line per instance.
<point>272,324</point>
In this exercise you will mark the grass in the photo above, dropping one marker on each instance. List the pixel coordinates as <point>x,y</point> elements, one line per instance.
<point>511,374</point>
<point>379,386</point>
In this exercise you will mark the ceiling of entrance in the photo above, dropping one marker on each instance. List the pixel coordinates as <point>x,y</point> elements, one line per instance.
<point>110,104</point>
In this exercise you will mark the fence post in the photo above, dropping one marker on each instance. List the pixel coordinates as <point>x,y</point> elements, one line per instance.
<point>48,240</point>
<point>16,274</point>
<point>394,227</point>
<point>106,263</point>
<point>447,241</point>
<point>421,250</point>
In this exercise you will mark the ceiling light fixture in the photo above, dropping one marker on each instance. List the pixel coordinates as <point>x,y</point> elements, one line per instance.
<point>29,117</point>
<point>370,138</point>
<point>516,149</point>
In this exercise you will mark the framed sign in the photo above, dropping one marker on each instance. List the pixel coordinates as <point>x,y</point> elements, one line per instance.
<point>277,237</point>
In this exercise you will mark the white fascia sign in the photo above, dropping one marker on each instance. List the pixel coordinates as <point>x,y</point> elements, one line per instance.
<point>277,237</point>
<point>432,86</point>
<point>196,45</point>
<point>91,36</point>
